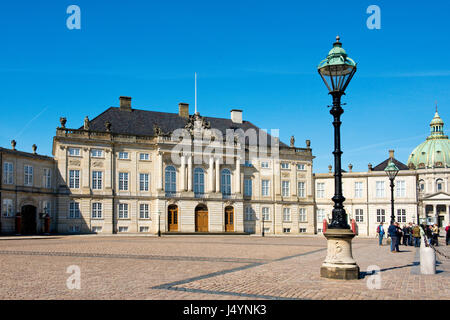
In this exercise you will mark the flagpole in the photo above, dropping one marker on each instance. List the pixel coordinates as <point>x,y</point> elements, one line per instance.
<point>196,93</point>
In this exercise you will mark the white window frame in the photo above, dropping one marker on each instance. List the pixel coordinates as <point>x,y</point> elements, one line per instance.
<point>401,215</point>
<point>379,189</point>
<point>381,215</point>
<point>123,212</point>
<point>265,164</point>
<point>301,189</point>
<point>123,155</point>
<point>144,211</point>
<point>74,210</point>
<point>97,210</point>
<point>74,152</point>
<point>96,153</point>
<point>320,191</point>
<point>359,189</point>
<point>302,216</point>
<point>249,216</point>
<point>285,165</point>
<point>265,213</point>
<point>359,215</point>
<point>8,173</point>
<point>320,215</point>
<point>28,175</point>
<point>301,167</point>
<point>285,188</point>
<point>400,188</point>
<point>8,208</point>
<point>144,156</point>
<point>287,215</point>
<point>248,187</point>
<point>265,188</point>
<point>144,179</point>
<point>74,179</point>
<point>123,181</point>
<point>97,180</point>
<point>47,178</point>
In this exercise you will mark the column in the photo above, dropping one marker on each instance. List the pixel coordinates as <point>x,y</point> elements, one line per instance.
<point>160,170</point>
<point>217,175</point>
<point>238,175</point>
<point>211,174</point>
<point>190,173</point>
<point>183,173</point>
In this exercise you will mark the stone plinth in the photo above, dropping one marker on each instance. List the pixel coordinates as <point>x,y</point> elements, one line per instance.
<point>339,263</point>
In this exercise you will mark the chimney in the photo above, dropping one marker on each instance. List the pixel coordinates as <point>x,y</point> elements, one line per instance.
<point>183,110</point>
<point>125,103</point>
<point>350,167</point>
<point>391,154</point>
<point>236,116</point>
<point>369,166</point>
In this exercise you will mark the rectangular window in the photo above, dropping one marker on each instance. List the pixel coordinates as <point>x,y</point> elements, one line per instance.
<point>302,230</point>
<point>358,189</point>
<point>320,190</point>
<point>8,175</point>
<point>97,153</point>
<point>28,175</point>
<point>8,208</point>
<point>265,164</point>
<point>143,229</point>
<point>123,181</point>
<point>286,214</point>
<point>123,210</point>
<point>380,215</point>
<point>143,181</point>
<point>359,215</point>
<point>401,188</point>
<point>74,179</point>
<point>144,156</point>
<point>302,215</point>
<point>97,210</point>
<point>266,213</point>
<point>123,229</point>
<point>74,229</point>
<point>379,189</point>
<point>74,152</point>
<point>144,211</point>
<point>286,230</point>
<point>248,163</point>
<point>301,189</point>
<point>123,155</point>
<point>301,167</point>
<point>265,188</point>
<point>97,180</point>
<point>320,215</point>
<point>248,214</point>
<point>74,210</point>
<point>46,207</point>
<point>248,187</point>
<point>401,215</point>
<point>47,178</point>
<point>285,188</point>
<point>96,229</point>
<point>285,165</point>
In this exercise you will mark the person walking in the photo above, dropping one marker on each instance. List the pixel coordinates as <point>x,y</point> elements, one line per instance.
<point>447,234</point>
<point>428,234</point>
<point>416,235</point>
<point>393,233</point>
<point>380,232</point>
<point>410,239</point>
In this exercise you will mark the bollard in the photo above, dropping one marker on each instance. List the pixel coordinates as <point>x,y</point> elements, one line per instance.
<point>427,258</point>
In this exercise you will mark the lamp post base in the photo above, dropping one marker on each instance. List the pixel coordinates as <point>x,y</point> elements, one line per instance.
<point>339,263</point>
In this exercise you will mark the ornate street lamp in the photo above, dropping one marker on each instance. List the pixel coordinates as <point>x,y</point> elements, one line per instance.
<point>392,171</point>
<point>337,70</point>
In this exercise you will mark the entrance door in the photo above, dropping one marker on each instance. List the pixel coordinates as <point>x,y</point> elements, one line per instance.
<point>229,219</point>
<point>173,218</point>
<point>201,219</point>
<point>28,220</point>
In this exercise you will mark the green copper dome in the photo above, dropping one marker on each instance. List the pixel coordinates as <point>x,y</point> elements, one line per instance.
<point>435,151</point>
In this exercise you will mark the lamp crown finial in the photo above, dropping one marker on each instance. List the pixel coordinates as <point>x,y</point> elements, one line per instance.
<point>338,38</point>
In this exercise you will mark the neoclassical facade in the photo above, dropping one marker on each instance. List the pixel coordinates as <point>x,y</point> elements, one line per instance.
<point>137,171</point>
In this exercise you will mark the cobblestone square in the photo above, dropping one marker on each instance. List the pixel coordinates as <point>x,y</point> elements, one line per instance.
<point>207,267</point>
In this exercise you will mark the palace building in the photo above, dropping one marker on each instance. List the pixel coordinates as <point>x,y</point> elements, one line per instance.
<point>142,172</point>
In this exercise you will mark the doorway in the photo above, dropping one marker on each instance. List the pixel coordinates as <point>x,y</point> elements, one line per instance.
<point>29,225</point>
<point>172,217</point>
<point>201,218</point>
<point>229,219</point>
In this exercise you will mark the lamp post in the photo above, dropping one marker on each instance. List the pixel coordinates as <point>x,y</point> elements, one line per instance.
<point>392,171</point>
<point>159,223</point>
<point>337,70</point>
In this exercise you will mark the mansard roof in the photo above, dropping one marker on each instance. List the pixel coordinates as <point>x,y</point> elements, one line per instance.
<point>142,122</point>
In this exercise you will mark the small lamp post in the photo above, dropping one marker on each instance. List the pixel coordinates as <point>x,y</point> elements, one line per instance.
<point>336,71</point>
<point>159,223</point>
<point>263,224</point>
<point>392,171</point>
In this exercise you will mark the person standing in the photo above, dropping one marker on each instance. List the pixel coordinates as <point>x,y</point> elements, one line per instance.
<point>410,240</point>
<point>405,234</point>
<point>447,234</point>
<point>435,234</point>
<point>380,232</point>
<point>416,235</point>
<point>393,233</point>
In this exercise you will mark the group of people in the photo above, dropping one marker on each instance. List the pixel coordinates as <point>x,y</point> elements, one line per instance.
<point>409,234</point>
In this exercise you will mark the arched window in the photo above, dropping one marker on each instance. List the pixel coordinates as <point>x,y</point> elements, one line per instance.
<point>171,180</point>
<point>421,186</point>
<point>225,186</point>
<point>199,181</point>
<point>439,185</point>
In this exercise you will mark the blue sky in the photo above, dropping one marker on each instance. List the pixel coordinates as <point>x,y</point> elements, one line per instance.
<point>259,56</point>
